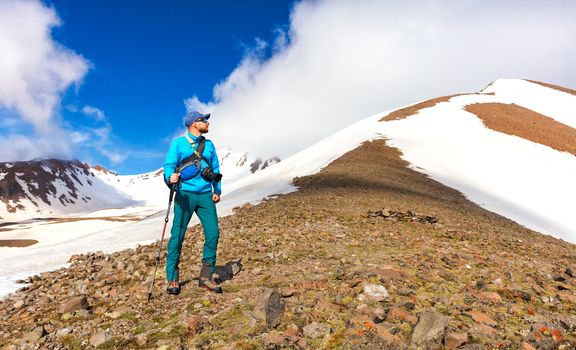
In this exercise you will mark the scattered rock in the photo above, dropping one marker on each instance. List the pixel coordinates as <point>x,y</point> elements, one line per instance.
<point>288,292</point>
<point>491,297</point>
<point>430,329</point>
<point>274,338</point>
<point>141,339</point>
<point>454,340</point>
<point>316,330</point>
<point>99,338</point>
<point>34,335</point>
<point>269,307</point>
<point>119,311</point>
<point>374,292</point>
<point>76,303</point>
<point>481,317</point>
<point>397,314</point>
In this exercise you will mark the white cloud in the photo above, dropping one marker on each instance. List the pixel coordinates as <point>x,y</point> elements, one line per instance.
<point>341,61</point>
<point>95,113</point>
<point>34,73</point>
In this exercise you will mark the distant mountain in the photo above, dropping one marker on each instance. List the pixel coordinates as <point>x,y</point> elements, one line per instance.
<point>49,187</point>
<point>52,187</point>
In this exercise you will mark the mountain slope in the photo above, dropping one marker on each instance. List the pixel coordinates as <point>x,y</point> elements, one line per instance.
<point>496,283</point>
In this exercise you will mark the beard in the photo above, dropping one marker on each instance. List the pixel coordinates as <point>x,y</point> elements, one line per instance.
<point>203,129</point>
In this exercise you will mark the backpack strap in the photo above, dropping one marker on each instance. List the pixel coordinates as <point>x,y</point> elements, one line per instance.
<point>196,155</point>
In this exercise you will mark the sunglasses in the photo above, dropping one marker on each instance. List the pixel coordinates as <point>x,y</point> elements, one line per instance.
<point>203,120</point>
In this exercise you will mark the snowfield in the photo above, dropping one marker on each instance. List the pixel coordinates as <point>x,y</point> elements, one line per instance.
<point>525,181</point>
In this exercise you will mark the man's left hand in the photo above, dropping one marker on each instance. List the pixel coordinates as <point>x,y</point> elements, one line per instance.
<point>216,198</point>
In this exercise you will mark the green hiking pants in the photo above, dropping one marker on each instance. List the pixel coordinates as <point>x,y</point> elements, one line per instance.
<point>185,204</point>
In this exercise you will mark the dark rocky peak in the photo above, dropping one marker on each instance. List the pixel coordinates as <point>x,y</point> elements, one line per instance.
<point>36,180</point>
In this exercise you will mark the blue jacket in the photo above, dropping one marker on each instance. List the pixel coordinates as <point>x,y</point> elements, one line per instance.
<point>180,149</point>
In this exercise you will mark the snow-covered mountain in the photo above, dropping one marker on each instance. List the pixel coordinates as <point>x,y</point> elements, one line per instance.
<point>51,187</point>
<point>42,188</point>
<point>510,148</point>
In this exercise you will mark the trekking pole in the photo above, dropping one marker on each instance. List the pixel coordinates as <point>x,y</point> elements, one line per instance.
<point>161,239</point>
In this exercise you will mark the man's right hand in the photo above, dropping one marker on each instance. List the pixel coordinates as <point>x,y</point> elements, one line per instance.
<point>174,178</point>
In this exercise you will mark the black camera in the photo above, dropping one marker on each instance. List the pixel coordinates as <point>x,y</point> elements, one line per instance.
<point>209,175</point>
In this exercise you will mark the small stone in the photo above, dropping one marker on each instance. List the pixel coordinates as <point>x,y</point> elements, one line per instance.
<point>315,330</point>
<point>522,294</point>
<point>491,297</point>
<point>498,282</point>
<point>379,312</point>
<point>545,299</point>
<point>397,314</point>
<point>480,317</point>
<point>291,330</point>
<point>453,340</point>
<point>141,339</point>
<point>269,307</point>
<point>99,338</point>
<point>288,292</point>
<point>35,334</point>
<point>76,303</point>
<point>67,316</point>
<point>274,338</point>
<point>83,314</point>
<point>256,271</point>
<point>119,311</point>
<point>527,346</point>
<point>384,335</point>
<point>19,304</point>
<point>374,292</point>
<point>62,332</point>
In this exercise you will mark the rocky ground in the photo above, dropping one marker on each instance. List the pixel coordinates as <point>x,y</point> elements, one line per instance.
<point>368,254</point>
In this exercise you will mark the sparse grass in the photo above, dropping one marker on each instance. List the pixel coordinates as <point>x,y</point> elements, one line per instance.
<point>71,342</point>
<point>114,343</point>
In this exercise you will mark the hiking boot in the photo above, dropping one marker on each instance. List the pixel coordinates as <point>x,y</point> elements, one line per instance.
<point>209,285</point>
<point>173,288</point>
<point>205,281</point>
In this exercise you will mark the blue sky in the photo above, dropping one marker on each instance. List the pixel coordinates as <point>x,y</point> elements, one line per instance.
<point>108,82</point>
<point>148,56</point>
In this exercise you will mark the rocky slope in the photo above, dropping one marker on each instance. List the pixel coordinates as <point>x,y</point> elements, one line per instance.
<point>368,254</point>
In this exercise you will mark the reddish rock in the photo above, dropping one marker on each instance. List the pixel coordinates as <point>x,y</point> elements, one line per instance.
<point>480,317</point>
<point>482,329</point>
<point>382,333</point>
<point>397,314</point>
<point>491,297</point>
<point>453,340</point>
<point>274,338</point>
<point>527,346</point>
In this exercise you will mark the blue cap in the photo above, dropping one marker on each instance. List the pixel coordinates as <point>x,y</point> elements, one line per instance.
<point>193,116</point>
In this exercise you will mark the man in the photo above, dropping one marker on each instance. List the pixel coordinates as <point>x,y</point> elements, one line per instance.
<point>194,195</point>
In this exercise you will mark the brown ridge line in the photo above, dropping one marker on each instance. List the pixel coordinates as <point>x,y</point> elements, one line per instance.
<point>411,110</point>
<point>514,120</point>
<point>555,87</point>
